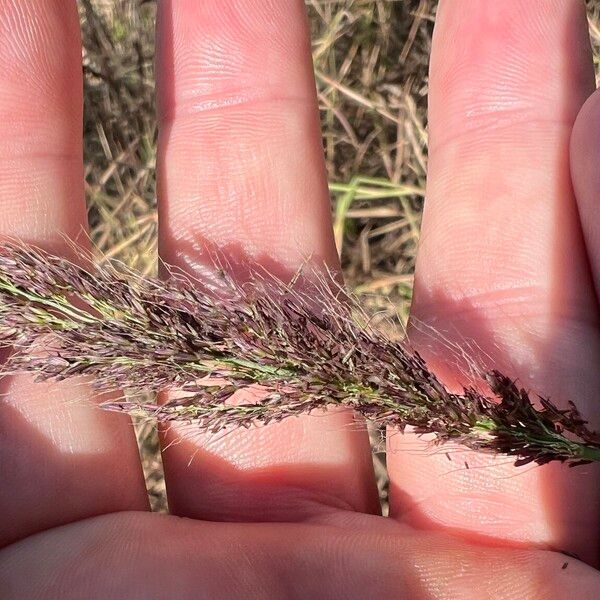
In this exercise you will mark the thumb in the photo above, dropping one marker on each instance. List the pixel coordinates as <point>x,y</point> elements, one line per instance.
<point>585,169</point>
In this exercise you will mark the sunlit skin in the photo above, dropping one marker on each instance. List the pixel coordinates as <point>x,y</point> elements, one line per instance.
<point>506,260</point>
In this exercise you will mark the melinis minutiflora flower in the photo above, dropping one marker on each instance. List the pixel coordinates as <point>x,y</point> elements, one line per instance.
<point>306,344</point>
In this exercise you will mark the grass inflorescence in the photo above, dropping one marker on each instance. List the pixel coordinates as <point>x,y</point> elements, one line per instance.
<point>302,346</point>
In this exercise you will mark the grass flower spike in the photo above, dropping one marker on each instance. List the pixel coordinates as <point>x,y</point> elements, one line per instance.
<point>307,346</point>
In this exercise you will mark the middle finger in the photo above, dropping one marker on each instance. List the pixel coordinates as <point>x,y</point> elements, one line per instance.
<point>242,171</point>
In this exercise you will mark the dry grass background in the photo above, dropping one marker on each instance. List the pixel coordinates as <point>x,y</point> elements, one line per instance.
<point>371,67</point>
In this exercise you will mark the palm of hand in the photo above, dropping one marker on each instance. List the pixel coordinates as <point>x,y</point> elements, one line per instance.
<point>287,511</point>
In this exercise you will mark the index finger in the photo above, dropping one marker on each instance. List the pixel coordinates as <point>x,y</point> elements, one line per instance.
<point>502,262</point>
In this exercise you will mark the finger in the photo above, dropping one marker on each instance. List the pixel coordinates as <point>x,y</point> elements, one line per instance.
<point>502,262</point>
<point>585,159</point>
<point>60,459</point>
<point>241,171</point>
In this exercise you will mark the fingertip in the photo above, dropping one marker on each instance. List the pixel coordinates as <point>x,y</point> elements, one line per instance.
<point>216,54</point>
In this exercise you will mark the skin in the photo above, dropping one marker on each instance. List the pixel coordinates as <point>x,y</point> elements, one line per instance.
<point>507,260</point>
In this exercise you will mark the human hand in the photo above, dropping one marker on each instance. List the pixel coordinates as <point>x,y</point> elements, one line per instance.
<point>291,510</point>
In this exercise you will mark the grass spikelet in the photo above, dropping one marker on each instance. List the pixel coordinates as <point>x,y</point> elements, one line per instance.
<point>305,344</point>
